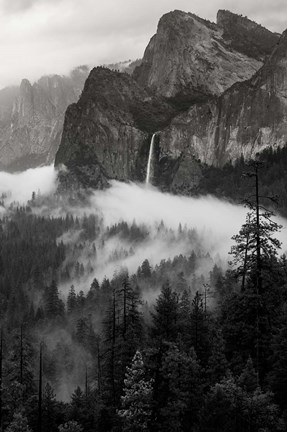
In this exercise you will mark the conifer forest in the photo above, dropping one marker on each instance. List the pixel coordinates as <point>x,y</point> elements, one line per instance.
<point>186,345</point>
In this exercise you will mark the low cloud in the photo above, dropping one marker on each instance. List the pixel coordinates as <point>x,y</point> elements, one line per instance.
<point>20,186</point>
<point>215,221</point>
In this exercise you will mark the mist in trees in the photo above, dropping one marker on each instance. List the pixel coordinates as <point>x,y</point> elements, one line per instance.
<point>100,334</point>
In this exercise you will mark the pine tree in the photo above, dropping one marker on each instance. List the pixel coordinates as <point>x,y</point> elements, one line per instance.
<point>145,269</point>
<point>108,363</point>
<point>49,410</point>
<point>122,333</point>
<point>137,399</point>
<point>82,331</point>
<point>238,320</point>
<point>166,315</point>
<point>199,328</point>
<point>222,407</point>
<point>77,405</point>
<point>54,306</point>
<point>81,300</point>
<point>217,363</point>
<point>248,379</point>
<point>93,293</point>
<point>71,300</point>
<point>183,391</point>
<point>181,283</point>
<point>81,410</point>
<point>20,362</point>
<point>255,242</point>
<point>19,424</point>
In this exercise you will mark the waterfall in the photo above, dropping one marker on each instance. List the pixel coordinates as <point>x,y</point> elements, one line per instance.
<point>149,163</point>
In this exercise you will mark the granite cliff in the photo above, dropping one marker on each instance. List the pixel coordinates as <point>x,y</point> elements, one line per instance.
<point>190,59</point>
<point>246,119</point>
<point>106,134</point>
<point>195,96</point>
<point>31,120</point>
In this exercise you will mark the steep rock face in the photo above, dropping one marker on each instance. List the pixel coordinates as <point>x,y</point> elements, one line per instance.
<point>246,119</point>
<point>7,98</point>
<point>106,134</point>
<point>31,125</point>
<point>189,58</point>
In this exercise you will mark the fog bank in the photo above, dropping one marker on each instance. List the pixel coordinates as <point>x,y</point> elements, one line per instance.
<point>20,186</point>
<point>215,220</point>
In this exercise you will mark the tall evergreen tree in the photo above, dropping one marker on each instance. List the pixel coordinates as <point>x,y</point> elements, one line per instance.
<point>71,300</point>
<point>122,333</point>
<point>182,387</point>
<point>217,364</point>
<point>54,306</point>
<point>49,410</point>
<point>137,399</point>
<point>199,329</point>
<point>255,240</point>
<point>165,316</point>
<point>19,424</point>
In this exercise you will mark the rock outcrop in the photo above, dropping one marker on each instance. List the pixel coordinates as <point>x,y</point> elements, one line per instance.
<point>32,116</point>
<point>31,119</point>
<point>190,59</point>
<point>106,134</point>
<point>246,119</point>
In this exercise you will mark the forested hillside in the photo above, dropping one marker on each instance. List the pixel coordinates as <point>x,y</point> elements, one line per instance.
<point>178,346</point>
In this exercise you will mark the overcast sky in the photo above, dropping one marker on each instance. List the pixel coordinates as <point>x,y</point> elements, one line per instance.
<point>40,37</point>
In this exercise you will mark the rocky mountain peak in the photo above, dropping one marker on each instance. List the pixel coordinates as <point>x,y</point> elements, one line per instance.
<point>189,59</point>
<point>25,86</point>
<point>23,105</point>
<point>110,86</point>
<point>177,17</point>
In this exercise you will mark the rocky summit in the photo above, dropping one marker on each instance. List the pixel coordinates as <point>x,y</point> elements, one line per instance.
<point>191,59</point>
<point>210,92</point>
